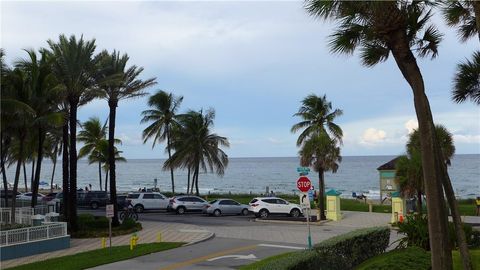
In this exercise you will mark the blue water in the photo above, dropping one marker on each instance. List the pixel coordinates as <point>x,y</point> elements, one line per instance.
<point>243,175</point>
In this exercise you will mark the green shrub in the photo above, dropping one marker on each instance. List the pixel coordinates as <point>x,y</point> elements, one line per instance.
<point>474,241</point>
<point>348,250</point>
<point>301,260</point>
<point>415,229</point>
<point>412,258</point>
<point>84,221</point>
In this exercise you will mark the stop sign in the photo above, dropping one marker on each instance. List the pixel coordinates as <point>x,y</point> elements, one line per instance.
<point>304,184</point>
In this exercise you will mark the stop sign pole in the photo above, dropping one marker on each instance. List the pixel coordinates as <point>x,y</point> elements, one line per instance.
<point>304,185</point>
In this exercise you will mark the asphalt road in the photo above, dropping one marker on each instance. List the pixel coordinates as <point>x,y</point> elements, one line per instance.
<point>218,253</point>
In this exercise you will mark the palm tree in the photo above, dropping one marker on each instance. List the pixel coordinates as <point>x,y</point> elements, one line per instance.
<point>162,115</point>
<point>91,135</point>
<point>381,28</point>
<point>317,117</point>
<point>196,147</point>
<point>322,153</point>
<point>117,82</point>
<point>409,176</point>
<point>4,136</point>
<point>73,65</point>
<point>465,15</point>
<point>319,127</point>
<point>45,94</point>
<point>100,155</point>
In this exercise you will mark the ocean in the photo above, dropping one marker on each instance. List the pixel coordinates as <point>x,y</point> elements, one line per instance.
<point>245,175</point>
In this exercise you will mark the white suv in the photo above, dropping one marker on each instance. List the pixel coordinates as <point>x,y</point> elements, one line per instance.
<point>148,201</point>
<point>263,207</point>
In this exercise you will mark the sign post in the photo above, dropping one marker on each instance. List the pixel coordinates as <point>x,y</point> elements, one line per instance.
<point>304,185</point>
<point>109,215</point>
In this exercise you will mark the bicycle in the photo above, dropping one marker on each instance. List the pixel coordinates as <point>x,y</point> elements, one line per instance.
<point>128,213</point>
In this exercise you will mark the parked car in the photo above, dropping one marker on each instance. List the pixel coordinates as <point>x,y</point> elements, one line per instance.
<point>182,204</point>
<point>225,207</point>
<point>92,199</point>
<point>263,207</point>
<point>28,196</point>
<point>50,196</point>
<point>121,201</point>
<point>148,201</point>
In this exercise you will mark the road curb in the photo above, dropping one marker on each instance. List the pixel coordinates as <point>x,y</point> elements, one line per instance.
<point>316,223</point>
<point>211,236</point>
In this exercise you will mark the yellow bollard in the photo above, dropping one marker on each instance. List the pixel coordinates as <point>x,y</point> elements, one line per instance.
<point>131,243</point>
<point>104,242</point>
<point>159,237</point>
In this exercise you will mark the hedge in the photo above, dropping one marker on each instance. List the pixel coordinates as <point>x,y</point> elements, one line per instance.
<point>340,252</point>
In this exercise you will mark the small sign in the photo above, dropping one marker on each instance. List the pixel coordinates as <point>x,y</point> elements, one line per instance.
<point>304,200</point>
<point>310,194</point>
<point>303,170</point>
<point>109,213</point>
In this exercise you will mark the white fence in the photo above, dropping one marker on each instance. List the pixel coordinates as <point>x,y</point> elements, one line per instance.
<point>23,215</point>
<point>29,234</point>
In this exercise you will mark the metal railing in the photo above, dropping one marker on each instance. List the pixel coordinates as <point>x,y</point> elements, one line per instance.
<point>23,215</point>
<point>46,231</point>
<point>5,216</point>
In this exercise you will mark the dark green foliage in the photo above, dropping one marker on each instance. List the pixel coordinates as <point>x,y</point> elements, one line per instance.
<point>128,223</point>
<point>412,258</point>
<point>89,221</point>
<point>348,250</point>
<point>90,226</point>
<point>415,229</point>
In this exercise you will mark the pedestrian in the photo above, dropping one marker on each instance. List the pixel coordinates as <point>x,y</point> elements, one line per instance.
<point>86,188</point>
<point>477,203</point>
<point>90,185</point>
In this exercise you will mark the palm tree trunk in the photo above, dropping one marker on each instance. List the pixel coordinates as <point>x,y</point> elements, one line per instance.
<point>73,164</point>
<point>100,176</point>
<point>111,159</point>
<point>437,218</point>
<point>321,193</point>
<point>17,176</point>
<point>41,139</point>
<point>25,176</point>
<point>3,156</point>
<point>188,179</point>
<point>65,172</point>
<point>460,233</point>
<point>55,153</point>
<point>419,202</point>
<point>169,157</point>
<point>196,182</point>
<point>32,176</point>
<point>106,180</point>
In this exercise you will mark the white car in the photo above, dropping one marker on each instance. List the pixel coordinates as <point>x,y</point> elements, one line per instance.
<point>263,207</point>
<point>28,196</point>
<point>148,201</point>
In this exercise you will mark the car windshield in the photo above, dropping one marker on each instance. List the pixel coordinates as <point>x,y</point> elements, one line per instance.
<point>253,201</point>
<point>212,202</point>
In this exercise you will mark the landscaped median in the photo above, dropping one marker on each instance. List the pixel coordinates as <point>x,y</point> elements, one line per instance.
<point>337,253</point>
<point>97,257</point>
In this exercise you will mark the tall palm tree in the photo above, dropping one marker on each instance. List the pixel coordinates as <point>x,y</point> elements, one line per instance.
<point>74,66</point>
<point>196,147</point>
<point>118,82</point>
<point>323,154</point>
<point>100,155</point>
<point>4,136</point>
<point>164,106</point>
<point>91,135</point>
<point>465,15</point>
<point>54,148</point>
<point>318,116</point>
<point>45,93</point>
<point>400,28</point>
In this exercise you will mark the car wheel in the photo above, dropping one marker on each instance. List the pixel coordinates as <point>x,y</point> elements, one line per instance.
<point>181,210</point>
<point>139,208</point>
<point>245,212</point>
<point>295,213</point>
<point>217,213</point>
<point>94,205</point>
<point>263,213</point>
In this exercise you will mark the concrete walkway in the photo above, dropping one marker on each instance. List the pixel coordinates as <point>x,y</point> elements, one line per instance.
<point>170,232</point>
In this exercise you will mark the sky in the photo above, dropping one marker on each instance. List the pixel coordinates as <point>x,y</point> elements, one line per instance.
<point>253,62</point>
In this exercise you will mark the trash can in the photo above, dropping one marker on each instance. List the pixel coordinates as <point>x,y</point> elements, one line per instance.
<point>52,217</point>
<point>37,220</point>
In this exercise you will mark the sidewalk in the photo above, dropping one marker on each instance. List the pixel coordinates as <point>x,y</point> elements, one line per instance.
<point>170,232</point>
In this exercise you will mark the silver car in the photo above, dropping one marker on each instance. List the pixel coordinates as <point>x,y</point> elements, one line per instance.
<point>182,204</point>
<point>225,207</point>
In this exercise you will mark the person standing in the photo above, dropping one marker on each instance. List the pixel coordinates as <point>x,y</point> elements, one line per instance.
<point>477,203</point>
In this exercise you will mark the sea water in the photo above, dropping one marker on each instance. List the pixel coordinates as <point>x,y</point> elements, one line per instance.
<point>245,175</point>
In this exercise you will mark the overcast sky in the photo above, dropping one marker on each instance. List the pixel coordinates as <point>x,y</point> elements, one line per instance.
<point>252,62</point>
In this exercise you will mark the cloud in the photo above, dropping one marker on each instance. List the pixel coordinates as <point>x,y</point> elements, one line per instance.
<point>411,125</point>
<point>373,136</point>
<point>275,141</point>
<point>459,138</point>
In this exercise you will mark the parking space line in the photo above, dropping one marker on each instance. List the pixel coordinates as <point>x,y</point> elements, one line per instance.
<point>204,258</point>
<point>279,246</point>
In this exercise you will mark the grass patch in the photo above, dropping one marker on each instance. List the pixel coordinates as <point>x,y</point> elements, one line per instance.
<point>263,263</point>
<point>97,257</point>
<point>413,258</point>
<point>90,226</point>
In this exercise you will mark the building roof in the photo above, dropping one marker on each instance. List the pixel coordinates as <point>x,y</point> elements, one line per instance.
<point>389,165</point>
